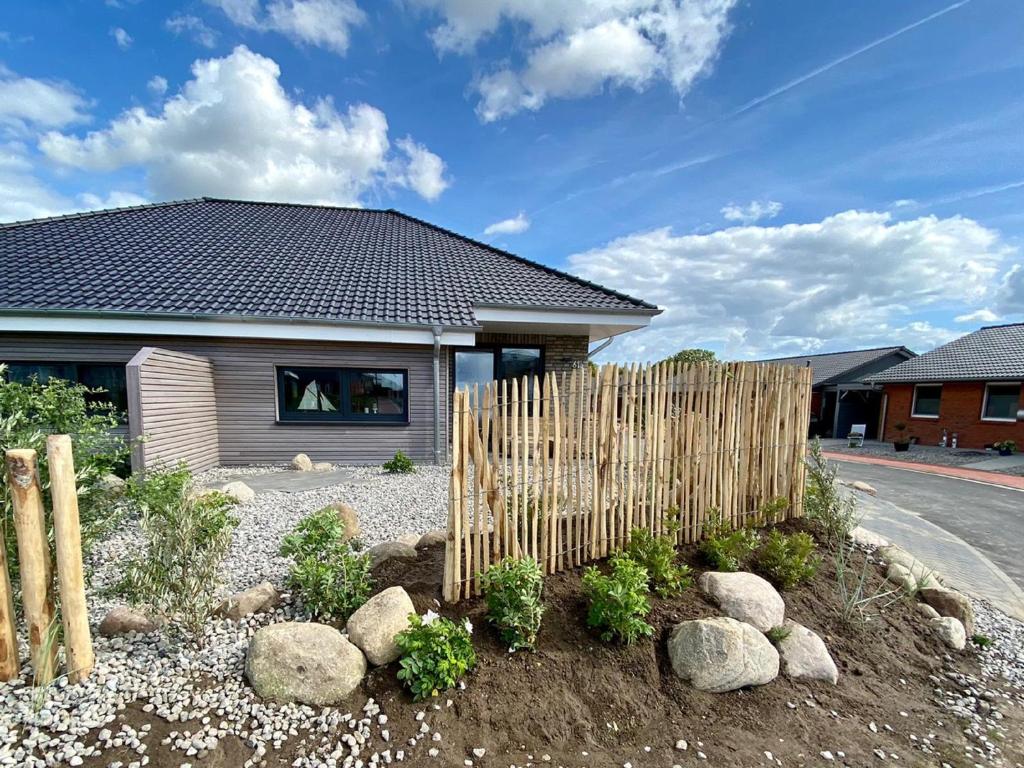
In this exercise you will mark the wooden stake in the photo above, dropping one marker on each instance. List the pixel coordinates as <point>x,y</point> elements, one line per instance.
<point>9,664</point>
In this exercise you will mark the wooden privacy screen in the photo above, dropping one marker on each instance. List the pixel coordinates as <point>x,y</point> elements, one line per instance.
<point>561,469</point>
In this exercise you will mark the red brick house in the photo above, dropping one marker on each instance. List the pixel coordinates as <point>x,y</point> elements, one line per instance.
<point>970,387</point>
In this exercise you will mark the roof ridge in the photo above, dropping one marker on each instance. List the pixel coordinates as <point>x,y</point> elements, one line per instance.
<point>98,212</point>
<point>322,206</point>
<point>827,354</point>
<point>1000,325</point>
<point>528,262</point>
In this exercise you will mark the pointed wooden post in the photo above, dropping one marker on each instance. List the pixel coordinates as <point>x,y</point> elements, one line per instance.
<point>9,665</point>
<point>67,533</point>
<point>33,558</point>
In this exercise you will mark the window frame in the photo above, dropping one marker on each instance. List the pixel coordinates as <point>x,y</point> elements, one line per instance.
<point>913,403</point>
<point>495,348</point>
<point>345,374</point>
<point>122,413</point>
<point>984,402</point>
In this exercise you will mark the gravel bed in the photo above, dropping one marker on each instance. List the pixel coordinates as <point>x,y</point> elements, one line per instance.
<point>920,454</point>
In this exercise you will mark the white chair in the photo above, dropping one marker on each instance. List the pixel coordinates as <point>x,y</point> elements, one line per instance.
<point>855,438</point>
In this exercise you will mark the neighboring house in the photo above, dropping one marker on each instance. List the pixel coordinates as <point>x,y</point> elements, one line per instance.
<point>841,396</point>
<point>236,332</point>
<point>970,387</point>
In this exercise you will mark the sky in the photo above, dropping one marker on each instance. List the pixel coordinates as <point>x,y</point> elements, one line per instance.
<point>781,177</point>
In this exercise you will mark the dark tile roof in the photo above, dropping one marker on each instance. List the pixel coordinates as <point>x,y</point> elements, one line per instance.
<point>275,260</point>
<point>992,352</point>
<point>831,367</point>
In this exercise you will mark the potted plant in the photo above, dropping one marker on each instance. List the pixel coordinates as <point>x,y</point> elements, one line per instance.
<point>902,442</point>
<point>1005,447</point>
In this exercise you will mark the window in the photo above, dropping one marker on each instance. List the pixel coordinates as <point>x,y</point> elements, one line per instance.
<point>483,365</point>
<point>1001,402</point>
<point>109,377</point>
<point>342,394</point>
<point>473,367</point>
<point>926,401</point>
<point>516,362</point>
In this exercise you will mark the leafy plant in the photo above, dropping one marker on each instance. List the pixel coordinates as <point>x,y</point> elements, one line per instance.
<point>1005,445</point>
<point>186,536</point>
<point>657,554</point>
<point>823,502</point>
<point>512,590</point>
<point>330,579</point>
<point>982,641</point>
<point>771,512</point>
<point>855,598</point>
<point>786,560</point>
<point>436,653</point>
<point>399,464</point>
<point>726,549</point>
<point>777,634</point>
<point>691,356</point>
<point>618,601</point>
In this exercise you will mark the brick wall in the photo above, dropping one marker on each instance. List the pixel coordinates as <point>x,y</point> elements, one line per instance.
<point>959,411</point>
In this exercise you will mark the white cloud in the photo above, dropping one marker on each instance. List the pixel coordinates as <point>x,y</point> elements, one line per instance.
<point>122,38</point>
<point>513,226</point>
<point>157,85</point>
<point>1011,291</point>
<point>27,103</point>
<point>752,212</point>
<point>22,195</point>
<point>978,316</point>
<point>575,48</point>
<point>853,279</point>
<point>114,199</point>
<point>233,131</point>
<point>322,23</point>
<point>194,27</point>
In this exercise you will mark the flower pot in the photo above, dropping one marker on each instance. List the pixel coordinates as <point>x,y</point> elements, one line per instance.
<point>901,447</point>
<point>1005,452</point>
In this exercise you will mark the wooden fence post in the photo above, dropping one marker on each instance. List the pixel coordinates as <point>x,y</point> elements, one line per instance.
<point>9,666</point>
<point>67,533</point>
<point>34,559</point>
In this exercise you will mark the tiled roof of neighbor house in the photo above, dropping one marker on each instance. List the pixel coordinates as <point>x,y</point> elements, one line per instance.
<point>992,352</point>
<point>835,366</point>
<point>275,260</point>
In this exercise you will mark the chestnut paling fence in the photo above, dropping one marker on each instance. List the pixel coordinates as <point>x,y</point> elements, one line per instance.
<point>561,469</point>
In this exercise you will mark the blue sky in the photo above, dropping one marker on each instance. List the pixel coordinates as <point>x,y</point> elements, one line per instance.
<point>779,176</point>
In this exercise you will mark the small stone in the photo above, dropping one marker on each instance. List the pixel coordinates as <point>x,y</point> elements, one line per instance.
<point>302,463</point>
<point>681,745</point>
<point>479,752</point>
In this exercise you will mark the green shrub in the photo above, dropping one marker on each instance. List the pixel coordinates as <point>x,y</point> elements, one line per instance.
<point>436,653</point>
<point>824,503</point>
<point>512,590</point>
<point>776,635</point>
<point>787,560</point>
<point>725,549</point>
<point>399,464</point>
<point>618,601</point>
<point>771,512</point>
<point>328,577</point>
<point>982,641</point>
<point>658,555</point>
<point>186,536</point>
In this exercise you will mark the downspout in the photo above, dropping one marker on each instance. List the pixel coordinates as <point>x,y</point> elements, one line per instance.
<point>600,347</point>
<point>437,330</point>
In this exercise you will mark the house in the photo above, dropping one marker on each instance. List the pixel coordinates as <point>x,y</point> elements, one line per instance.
<point>236,332</point>
<point>841,396</point>
<point>970,388</point>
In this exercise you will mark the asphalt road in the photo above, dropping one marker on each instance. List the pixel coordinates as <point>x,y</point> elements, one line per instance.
<point>988,518</point>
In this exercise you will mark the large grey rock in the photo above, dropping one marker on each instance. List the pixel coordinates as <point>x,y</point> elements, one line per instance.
<point>433,538</point>
<point>950,631</point>
<point>925,576</point>
<point>389,550</point>
<point>349,518</point>
<point>721,654</point>
<point>323,466</point>
<point>302,463</point>
<point>862,537</point>
<point>374,626</point>
<point>110,482</point>
<point>860,485</point>
<point>805,656</point>
<point>262,597</point>
<point>902,577</point>
<point>745,597</point>
<point>122,620</point>
<point>412,539</point>
<point>949,602</point>
<point>926,610</point>
<point>305,662</point>
<point>239,491</point>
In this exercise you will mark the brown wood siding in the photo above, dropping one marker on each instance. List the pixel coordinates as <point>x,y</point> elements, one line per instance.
<point>172,405</point>
<point>245,385</point>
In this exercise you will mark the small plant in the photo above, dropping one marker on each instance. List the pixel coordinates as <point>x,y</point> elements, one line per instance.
<point>399,464</point>
<point>330,579</point>
<point>724,549</point>
<point>772,512</point>
<point>982,641</point>
<point>824,503</point>
<point>512,590</point>
<point>618,601</point>
<point>786,560</point>
<point>852,586</point>
<point>657,554</point>
<point>436,653</point>
<point>187,535</point>
<point>1005,447</point>
<point>776,635</point>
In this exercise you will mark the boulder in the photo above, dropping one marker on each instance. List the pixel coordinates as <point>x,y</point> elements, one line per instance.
<point>901,577</point>
<point>389,550</point>
<point>860,485</point>
<point>349,518</point>
<point>721,654</point>
<point>862,537</point>
<point>745,597</point>
<point>926,610</point>
<point>110,482</point>
<point>302,463</point>
<point>239,491</point>
<point>262,597</point>
<point>323,466</point>
<point>305,662</point>
<point>373,627</point>
<point>949,602</point>
<point>433,538</point>
<point>122,620</point>
<point>925,576</point>
<point>950,631</point>
<point>412,539</point>
<point>805,656</point>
